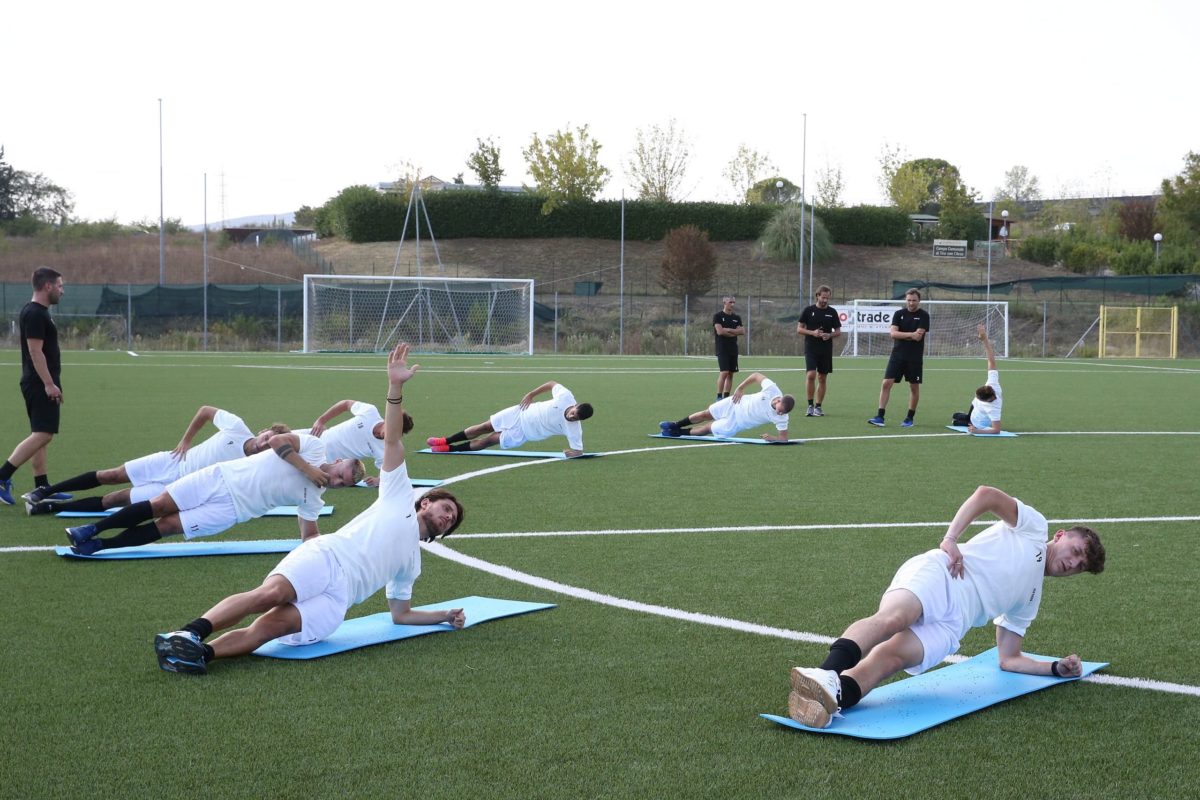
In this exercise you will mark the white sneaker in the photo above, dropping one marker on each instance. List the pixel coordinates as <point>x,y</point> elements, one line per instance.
<point>814,697</point>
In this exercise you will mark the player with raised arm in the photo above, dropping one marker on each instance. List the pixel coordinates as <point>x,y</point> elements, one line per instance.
<point>984,414</point>
<point>306,597</point>
<point>361,436</point>
<point>525,422</point>
<point>737,413</point>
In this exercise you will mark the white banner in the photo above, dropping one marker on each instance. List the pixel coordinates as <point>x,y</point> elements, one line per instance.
<point>869,319</point>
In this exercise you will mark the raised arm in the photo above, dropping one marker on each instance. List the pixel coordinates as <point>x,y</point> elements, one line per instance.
<point>204,415</point>
<point>751,379</point>
<point>545,387</point>
<point>1008,645</point>
<point>987,346</point>
<point>287,446</point>
<point>399,373</point>
<point>335,410</point>
<point>985,499</point>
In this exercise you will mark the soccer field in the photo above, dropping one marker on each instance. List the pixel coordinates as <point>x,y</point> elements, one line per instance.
<point>622,690</point>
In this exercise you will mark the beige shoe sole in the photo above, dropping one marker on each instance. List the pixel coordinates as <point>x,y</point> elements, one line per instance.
<point>814,691</point>
<point>807,711</point>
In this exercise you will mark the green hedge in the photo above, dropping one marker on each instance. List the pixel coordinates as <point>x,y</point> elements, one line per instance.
<point>369,216</point>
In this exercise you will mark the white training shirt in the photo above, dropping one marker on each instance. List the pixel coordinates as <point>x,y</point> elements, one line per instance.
<point>354,438</point>
<point>545,419</point>
<point>984,414</point>
<point>1004,569</point>
<point>382,544</point>
<point>225,445</point>
<point>264,480</point>
<point>753,410</point>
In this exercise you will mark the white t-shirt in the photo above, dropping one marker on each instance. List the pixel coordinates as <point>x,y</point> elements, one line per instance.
<point>1004,570</point>
<point>354,438</point>
<point>225,445</point>
<point>753,410</point>
<point>264,480</point>
<point>545,419</point>
<point>983,414</point>
<point>382,545</point>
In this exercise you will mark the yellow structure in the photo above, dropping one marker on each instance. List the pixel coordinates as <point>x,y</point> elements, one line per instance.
<point>1139,332</point>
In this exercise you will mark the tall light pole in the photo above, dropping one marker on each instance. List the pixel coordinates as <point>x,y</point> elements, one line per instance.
<point>1157,244</point>
<point>989,259</point>
<point>162,229</point>
<point>803,200</point>
<point>1004,230</point>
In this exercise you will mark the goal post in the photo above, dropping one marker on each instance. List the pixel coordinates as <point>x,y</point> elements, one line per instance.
<point>1139,331</point>
<point>368,313</point>
<point>866,327</point>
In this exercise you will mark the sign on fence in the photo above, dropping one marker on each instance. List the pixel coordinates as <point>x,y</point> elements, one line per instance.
<point>950,248</point>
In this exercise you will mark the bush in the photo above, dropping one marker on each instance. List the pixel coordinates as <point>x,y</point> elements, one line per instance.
<point>867,225</point>
<point>1039,249</point>
<point>690,263</point>
<point>781,236</point>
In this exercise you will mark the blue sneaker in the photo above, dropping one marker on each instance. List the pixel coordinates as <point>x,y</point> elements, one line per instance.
<point>88,547</point>
<point>6,493</point>
<point>59,497</point>
<point>669,429</point>
<point>908,423</point>
<point>180,651</point>
<point>81,534</point>
<point>876,421</point>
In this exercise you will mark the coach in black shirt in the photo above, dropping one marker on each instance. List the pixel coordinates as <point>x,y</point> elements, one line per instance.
<point>727,326</point>
<point>909,326</point>
<point>41,382</point>
<point>819,325</point>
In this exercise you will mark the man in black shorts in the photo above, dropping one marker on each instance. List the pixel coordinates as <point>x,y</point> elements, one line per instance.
<point>40,380</point>
<point>727,326</point>
<point>909,326</point>
<point>819,325</point>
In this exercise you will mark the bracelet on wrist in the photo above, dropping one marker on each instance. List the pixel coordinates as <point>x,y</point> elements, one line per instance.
<point>1054,669</point>
<point>396,400</point>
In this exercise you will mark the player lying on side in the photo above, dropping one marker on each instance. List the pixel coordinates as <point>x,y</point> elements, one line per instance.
<point>306,597</point>
<point>526,422</point>
<point>936,597</point>
<point>984,414</point>
<point>218,497</point>
<point>361,436</point>
<point>152,473</point>
<point>736,413</point>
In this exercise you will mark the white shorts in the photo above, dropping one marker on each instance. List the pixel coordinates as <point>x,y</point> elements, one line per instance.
<point>941,625</point>
<point>157,468</point>
<point>508,422</point>
<point>322,593</point>
<point>146,491</point>
<point>205,505</point>
<point>725,418</point>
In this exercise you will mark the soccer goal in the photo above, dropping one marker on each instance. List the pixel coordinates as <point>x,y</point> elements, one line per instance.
<point>1139,331</point>
<point>365,314</point>
<point>866,327</point>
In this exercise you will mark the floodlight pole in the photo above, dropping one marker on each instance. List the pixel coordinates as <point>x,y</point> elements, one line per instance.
<point>621,293</point>
<point>989,258</point>
<point>162,230</point>
<point>803,166</point>
<point>206,262</point>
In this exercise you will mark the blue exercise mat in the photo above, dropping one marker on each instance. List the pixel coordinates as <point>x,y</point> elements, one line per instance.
<point>379,628</point>
<point>199,547</point>
<point>1000,435</point>
<point>278,511</point>
<point>737,439</point>
<point>511,453</point>
<point>924,701</point>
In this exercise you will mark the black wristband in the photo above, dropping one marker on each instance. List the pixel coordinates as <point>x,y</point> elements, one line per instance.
<point>396,401</point>
<point>1054,669</point>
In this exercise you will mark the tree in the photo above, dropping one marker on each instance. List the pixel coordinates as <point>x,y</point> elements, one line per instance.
<point>7,202</point>
<point>33,197</point>
<point>566,167</point>
<point>1180,203</point>
<point>829,187</point>
<point>305,217</point>
<point>890,159</point>
<point>485,163</point>
<point>1136,219</point>
<point>1019,186</point>
<point>659,162</point>
<point>689,267</point>
<point>781,237</point>
<point>770,192</point>
<point>958,218</point>
<point>918,184</point>
<point>745,169</point>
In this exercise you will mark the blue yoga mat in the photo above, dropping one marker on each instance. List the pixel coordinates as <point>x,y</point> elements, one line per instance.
<point>379,628</point>
<point>278,511</point>
<point>511,453</point>
<point>200,547</point>
<point>924,701</point>
<point>1000,435</point>
<point>737,439</point>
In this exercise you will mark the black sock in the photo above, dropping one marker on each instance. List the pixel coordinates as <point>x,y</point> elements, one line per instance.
<point>209,653</point>
<point>200,626</point>
<point>82,504</point>
<point>911,413</point>
<point>461,436</point>
<point>851,693</point>
<point>6,472</point>
<point>881,412</point>
<point>686,422</point>
<point>460,447</point>
<point>810,402</point>
<point>843,654</point>
<point>132,537</point>
<point>719,395</point>
<point>39,481</point>
<point>87,480</point>
<point>127,517</point>
<point>818,405</point>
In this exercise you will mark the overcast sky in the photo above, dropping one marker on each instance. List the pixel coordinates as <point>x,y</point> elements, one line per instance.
<point>285,104</point>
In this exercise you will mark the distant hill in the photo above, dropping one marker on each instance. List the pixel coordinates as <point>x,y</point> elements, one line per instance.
<point>248,222</point>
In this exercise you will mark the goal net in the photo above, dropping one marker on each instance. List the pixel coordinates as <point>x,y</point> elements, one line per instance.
<point>1139,332</point>
<point>866,327</point>
<point>361,313</point>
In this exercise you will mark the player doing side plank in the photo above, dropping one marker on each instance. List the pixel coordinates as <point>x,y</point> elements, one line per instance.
<point>936,597</point>
<point>738,412</point>
<point>305,598</point>
<point>361,436</point>
<point>526,422</point>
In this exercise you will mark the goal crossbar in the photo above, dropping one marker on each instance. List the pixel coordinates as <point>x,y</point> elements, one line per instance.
<point>866,327</point>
